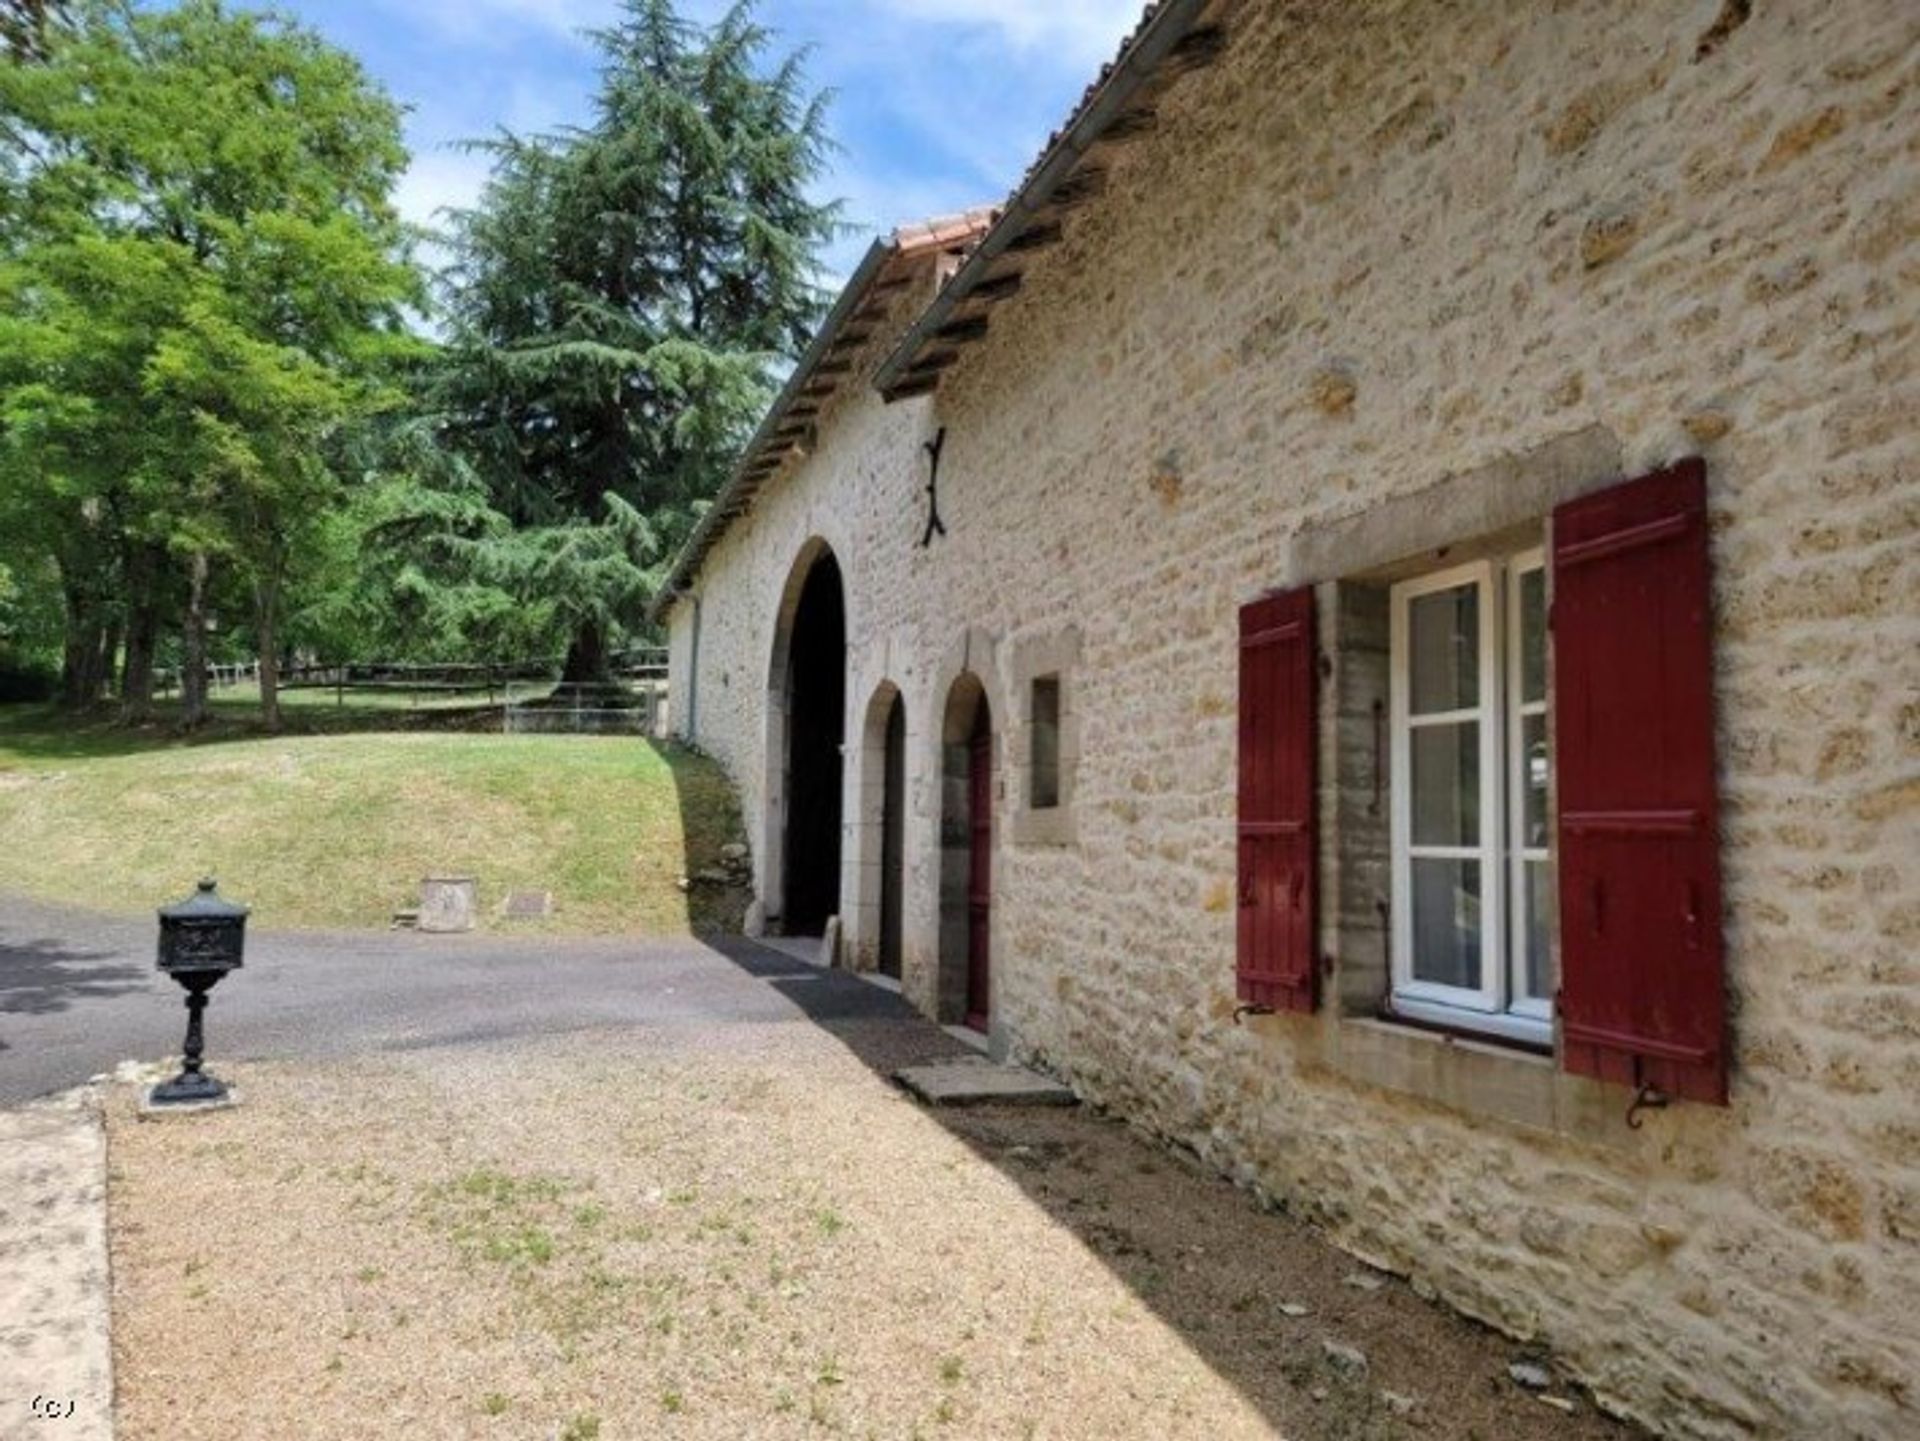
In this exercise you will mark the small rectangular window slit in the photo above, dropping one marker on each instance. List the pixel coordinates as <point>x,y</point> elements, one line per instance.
<point>1043,758</point>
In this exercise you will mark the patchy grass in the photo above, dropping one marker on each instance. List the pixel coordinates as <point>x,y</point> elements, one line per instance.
<point>334,831</point>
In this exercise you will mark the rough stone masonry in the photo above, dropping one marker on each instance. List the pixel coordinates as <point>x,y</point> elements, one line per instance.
<point>1379,271</point>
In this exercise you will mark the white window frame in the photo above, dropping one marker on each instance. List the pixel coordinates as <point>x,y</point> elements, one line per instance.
<point>1500,1005</point>
<point>1522,1002</point>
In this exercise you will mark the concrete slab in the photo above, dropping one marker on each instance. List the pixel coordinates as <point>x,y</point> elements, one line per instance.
<point>967,1036</point>
<point>971,1082</point>
<point>56,1352</point>
<point>154,1111</point>
<point>810,949</point>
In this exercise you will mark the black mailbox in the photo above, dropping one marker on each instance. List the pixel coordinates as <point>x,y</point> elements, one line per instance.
<point>201,939</point>
<point>203,933</point>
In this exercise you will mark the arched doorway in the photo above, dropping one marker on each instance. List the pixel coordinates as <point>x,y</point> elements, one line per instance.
<point>816,696</point>
<point>893,844</point>
<point>966,857</point>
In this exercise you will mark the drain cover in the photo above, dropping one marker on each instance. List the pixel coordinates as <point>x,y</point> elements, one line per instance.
<point>529,904</point>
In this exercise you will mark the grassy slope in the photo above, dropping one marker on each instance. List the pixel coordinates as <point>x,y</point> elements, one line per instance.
<point>337,830</point>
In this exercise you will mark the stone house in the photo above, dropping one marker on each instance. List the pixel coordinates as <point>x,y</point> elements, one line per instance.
<point>1366,619</point>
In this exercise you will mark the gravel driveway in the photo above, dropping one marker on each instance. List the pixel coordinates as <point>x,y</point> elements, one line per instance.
<point>598,1190</point>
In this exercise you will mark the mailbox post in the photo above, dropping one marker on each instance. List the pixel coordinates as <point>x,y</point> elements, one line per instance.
<point>201,939</point>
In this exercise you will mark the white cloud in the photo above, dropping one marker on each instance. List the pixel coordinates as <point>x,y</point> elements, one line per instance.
<point>1078,31</point>
<point>499,20</point>
<point>438,181</point>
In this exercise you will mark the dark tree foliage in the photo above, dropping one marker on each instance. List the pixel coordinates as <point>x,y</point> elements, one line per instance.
<point>23,27</point>
<point>621,301</point>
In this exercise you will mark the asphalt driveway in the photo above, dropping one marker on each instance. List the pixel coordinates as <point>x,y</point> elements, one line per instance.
<point>79,994</point>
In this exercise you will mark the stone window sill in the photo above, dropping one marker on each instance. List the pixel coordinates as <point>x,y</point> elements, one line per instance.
<point>1478,1077</point>
<point>1051,827</point>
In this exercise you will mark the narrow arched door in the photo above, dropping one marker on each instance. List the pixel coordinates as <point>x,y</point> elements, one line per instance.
<point>980,873</point>
<point>893,841</point>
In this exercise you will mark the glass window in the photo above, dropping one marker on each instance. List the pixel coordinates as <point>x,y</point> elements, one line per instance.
<point>1043,758</point>
<point>1472,768</point>
<point>1445,655</point>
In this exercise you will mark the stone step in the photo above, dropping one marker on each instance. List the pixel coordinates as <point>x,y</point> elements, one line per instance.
<point>974,1082</point>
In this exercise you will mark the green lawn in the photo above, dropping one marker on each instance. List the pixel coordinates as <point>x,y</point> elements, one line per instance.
<point>335,830</point>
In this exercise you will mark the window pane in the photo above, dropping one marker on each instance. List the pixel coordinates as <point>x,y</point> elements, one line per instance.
<point>1446,922</point>
<point>1533,635</point>
<point>1535,766</point>
<point>1444,635</point>
<point>1539,932</point>
<point>1446,785</point>
<point>1044,754</point>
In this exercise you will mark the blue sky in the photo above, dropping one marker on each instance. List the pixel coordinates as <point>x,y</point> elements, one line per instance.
<point>941,103</point>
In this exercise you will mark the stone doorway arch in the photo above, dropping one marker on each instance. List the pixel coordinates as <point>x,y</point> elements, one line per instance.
<point>806,735</point>
<point>966,855</point>
<point>880,876</point>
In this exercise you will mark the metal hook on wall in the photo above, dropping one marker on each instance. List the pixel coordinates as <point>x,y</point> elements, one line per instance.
<point>935,526</point>
<point>1648,1098</point>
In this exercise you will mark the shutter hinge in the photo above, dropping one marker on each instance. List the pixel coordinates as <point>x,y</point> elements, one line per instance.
<point>1648,1098</point>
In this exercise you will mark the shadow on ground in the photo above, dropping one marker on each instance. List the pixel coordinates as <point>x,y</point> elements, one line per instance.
<point>1205,1258</point>
<point>48,733</point>
<point>40,977</point>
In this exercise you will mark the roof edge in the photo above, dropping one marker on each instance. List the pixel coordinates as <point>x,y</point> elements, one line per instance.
<point>737,490</point>
<point>1137,65</point>
<point>749,470</point>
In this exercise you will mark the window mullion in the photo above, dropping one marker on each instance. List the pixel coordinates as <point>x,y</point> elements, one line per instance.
<point>1493,906</point>
<point>1513,774</point>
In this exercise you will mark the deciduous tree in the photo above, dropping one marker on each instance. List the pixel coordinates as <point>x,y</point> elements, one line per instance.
<point>206,279</point>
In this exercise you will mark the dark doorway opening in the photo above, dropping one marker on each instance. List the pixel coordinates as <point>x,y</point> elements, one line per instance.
<point>893,841</point>
<point>966,857</point>
<point>816,722</point>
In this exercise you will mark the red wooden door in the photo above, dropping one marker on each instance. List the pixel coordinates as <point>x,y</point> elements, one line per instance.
<point>980,874</point>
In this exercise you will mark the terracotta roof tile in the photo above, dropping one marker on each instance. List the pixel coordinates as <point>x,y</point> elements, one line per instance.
<point>945,230</point>
<point>759,459</point>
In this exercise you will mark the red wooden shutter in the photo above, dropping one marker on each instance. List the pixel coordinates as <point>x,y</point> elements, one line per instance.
<point>1278,880</point>
<point>1642,990</point>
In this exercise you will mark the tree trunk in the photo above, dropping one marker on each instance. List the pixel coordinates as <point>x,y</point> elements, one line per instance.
<point>193,664</point>
<point>111,635</point>
<point>266,606</point>
<point>587,662</point>
<point>144,568</point>
<point>80,673</point>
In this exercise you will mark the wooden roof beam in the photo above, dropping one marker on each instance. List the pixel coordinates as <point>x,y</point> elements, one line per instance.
<point>999,288</point>
<point>963,331</point>
<point>1088,183</point>
<point>1196,50</point>
<point>1037,237</point>
<point>912,386</point>
<point>1131,125</point>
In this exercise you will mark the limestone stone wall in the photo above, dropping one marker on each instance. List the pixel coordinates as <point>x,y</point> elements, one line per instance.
<point>1383,267</point>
